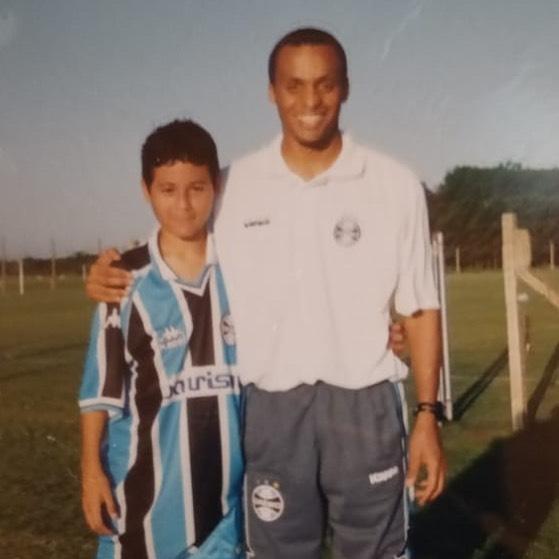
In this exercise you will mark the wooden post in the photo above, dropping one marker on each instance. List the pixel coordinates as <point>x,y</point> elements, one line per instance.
<point>53,265</point>
<point>21,278</point>
<point>516,350</point>
<point>551,255</point>
<point>457,260</point>
<point>4,279</point>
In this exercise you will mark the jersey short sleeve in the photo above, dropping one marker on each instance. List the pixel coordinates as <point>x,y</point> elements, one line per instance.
<point>416,285</point>
<point>102,385</point>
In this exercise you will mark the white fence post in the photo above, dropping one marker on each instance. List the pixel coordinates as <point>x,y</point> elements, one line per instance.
<point>21,277</point>
<point>445,391</point>
<point>53,265</point>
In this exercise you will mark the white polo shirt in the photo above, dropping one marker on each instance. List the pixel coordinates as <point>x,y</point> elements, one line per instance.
<point>312,268</point>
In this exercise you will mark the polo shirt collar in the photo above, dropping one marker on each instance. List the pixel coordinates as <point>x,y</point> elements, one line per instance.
<point>166,272</point>
<point>349,164</point>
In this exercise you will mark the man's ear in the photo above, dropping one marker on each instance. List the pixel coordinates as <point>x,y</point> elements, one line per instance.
<point>345,95</point>
<point>271,93</point>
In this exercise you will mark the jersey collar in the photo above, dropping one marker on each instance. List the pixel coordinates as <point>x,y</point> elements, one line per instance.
<point>167,273</point>
<point>350,163</point>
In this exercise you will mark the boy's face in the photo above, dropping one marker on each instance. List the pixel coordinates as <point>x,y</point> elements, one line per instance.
<point>308,91</point>
<point>182,197</point>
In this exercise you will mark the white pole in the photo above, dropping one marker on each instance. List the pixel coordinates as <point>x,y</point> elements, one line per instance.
<point>53,265</point>
<point>551,255</point>
<point>445,388</point>
<point>457,260</point>
<point>514,326</point>
<point>21,278</point>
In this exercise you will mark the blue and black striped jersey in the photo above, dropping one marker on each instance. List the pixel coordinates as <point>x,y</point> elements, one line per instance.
<point>161,364</point>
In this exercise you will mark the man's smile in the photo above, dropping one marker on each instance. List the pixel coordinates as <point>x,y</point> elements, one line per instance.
<point>310,121</point>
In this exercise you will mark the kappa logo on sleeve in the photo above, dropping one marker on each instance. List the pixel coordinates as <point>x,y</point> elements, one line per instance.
<point>113,320</point>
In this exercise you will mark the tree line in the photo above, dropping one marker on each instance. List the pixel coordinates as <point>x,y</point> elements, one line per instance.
<point>467,208</point>
<point>67,265</point>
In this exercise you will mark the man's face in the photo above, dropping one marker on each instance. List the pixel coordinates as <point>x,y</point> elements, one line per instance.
<point>182,197</point>
<point>308,90</point>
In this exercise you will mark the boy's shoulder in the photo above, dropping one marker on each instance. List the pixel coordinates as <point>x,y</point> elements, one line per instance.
<point>135,259</point>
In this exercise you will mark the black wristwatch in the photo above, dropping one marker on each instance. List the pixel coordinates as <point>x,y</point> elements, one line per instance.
<point>436,408</point>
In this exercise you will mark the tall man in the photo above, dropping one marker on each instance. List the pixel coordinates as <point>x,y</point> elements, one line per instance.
<point>319,238</point>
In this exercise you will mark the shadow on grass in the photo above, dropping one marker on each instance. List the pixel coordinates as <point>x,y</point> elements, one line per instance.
<point>546,381</point>
<point>473,392</point>
<point>499,503</point>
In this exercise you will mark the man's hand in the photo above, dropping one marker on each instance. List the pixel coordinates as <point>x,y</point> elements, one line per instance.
<point>96,496</point>
<point>397,338</point>
<point>106,283</point>
<point>427,465</point>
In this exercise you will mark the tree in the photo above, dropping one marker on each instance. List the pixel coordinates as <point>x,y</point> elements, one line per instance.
<point>468,205</point>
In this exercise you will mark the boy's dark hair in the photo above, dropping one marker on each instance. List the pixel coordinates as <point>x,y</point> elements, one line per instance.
<point>179,140</point>
<point>307,36</point>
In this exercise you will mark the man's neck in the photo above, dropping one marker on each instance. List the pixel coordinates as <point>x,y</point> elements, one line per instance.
<point>187,258</point>
<point>308,162</point>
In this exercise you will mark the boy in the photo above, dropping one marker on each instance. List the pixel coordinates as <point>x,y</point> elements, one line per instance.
<point>160,406</point>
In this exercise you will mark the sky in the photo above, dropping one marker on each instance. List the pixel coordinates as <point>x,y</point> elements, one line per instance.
<point>435,83</point>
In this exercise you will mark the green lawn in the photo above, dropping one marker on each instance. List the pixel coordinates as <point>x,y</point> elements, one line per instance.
<point>42,337</point>
<point>501,500</point>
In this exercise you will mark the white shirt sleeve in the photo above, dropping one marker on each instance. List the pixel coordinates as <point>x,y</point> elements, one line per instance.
<point>416,284</point>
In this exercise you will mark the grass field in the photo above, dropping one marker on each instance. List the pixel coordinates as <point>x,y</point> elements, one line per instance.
<point>501,500</point>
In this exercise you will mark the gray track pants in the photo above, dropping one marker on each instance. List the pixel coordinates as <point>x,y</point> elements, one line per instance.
<point>322,455</point>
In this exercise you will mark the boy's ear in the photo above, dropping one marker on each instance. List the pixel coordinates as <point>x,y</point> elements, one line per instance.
<point>145,191</point>
<point>218,183</point>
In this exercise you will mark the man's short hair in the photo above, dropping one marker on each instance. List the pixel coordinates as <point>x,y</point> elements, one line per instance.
<point>307,36</point>
<point>179,140</point>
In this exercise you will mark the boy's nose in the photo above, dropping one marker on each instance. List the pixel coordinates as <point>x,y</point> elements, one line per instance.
<point>184,199</point>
